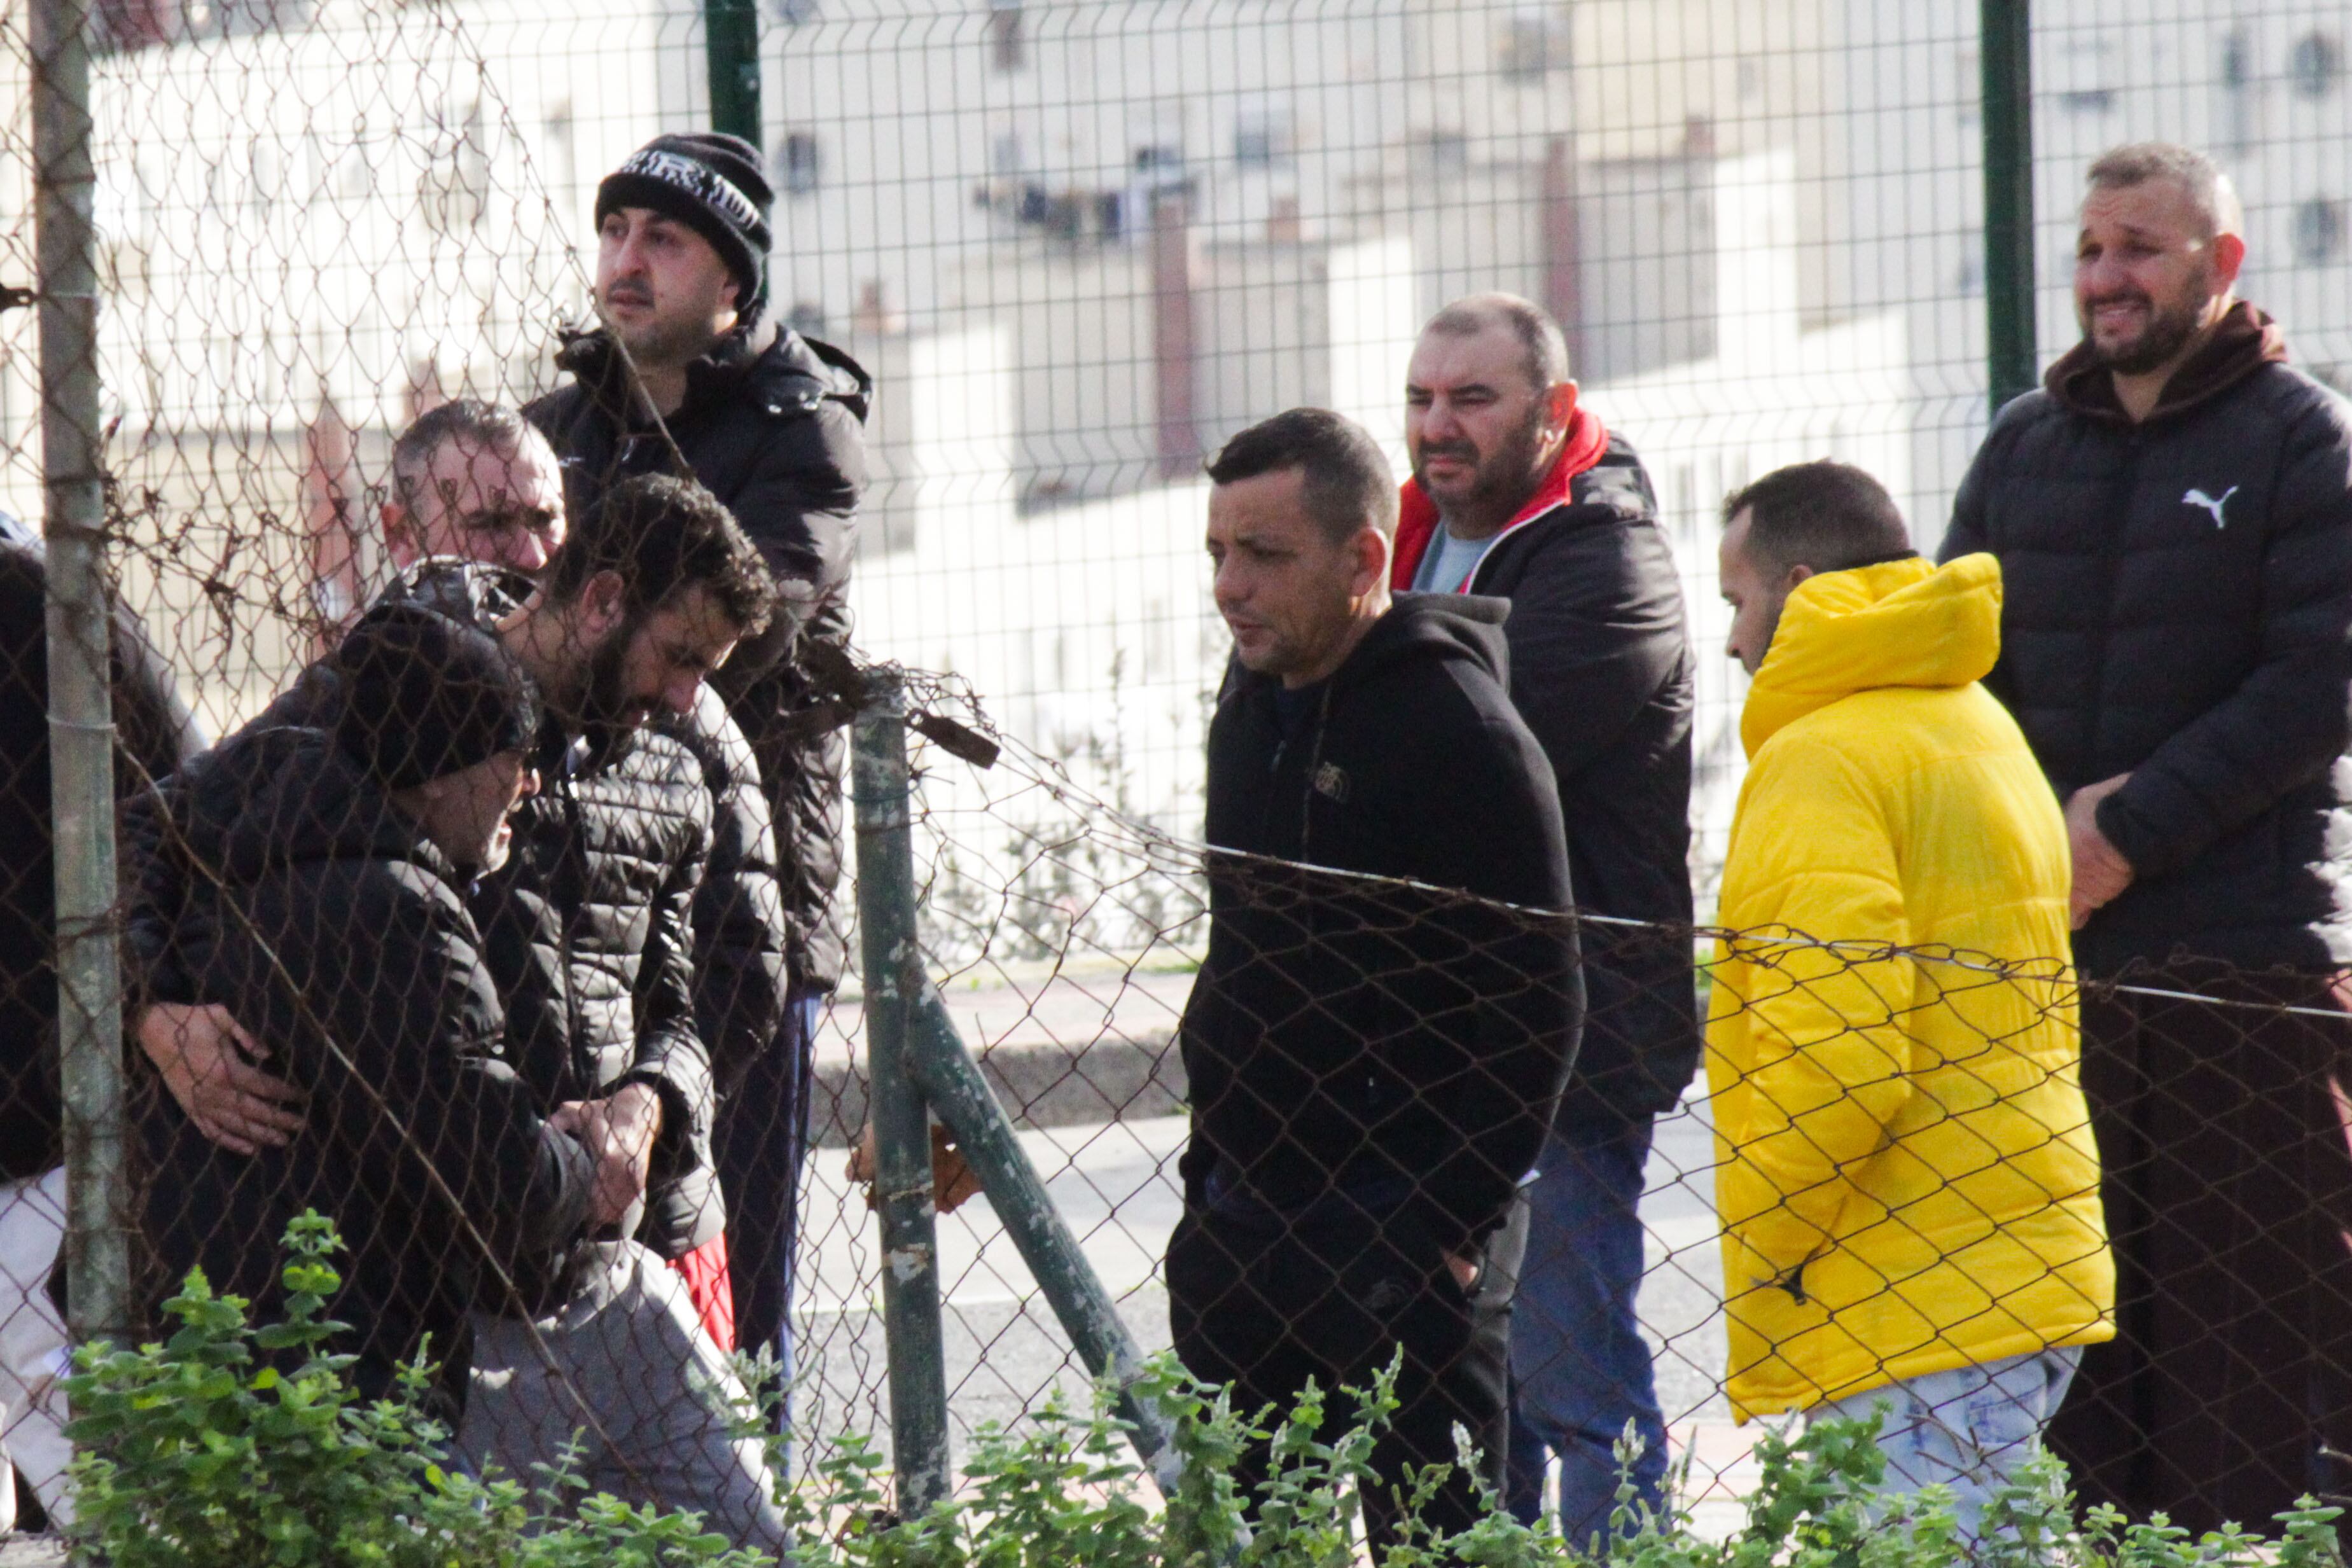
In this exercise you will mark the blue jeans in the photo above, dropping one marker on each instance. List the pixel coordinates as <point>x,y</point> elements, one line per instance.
<point>1579,1368</point>
<point>1969,1429</point>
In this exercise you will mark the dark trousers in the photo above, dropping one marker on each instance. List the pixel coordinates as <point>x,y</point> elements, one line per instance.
<point>2228,1188</point>
<point>1261,1310</point>
<point>760,1143</point>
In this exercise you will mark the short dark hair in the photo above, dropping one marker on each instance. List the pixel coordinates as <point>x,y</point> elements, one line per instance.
<point>1346,481</point>
<point>1544,345</point>
<point>2208,188</point>
<point>489,426</point>
<point>663,535</point>
<point>1828,516</point>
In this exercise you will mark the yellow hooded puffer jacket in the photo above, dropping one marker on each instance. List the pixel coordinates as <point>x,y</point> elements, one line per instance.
<point>1908,1179</point>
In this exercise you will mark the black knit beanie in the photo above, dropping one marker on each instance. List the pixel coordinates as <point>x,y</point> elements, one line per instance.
<point>425,696</point>
<point>714,186</point>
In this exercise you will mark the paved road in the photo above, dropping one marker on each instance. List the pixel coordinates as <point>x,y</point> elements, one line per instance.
<point>1115,1182</point>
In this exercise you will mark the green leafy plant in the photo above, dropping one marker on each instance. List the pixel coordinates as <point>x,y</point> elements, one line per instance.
<point>203,1452</point>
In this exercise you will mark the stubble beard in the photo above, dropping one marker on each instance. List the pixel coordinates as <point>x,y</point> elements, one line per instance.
<point>2169,330</point>
<point>1504,481</point>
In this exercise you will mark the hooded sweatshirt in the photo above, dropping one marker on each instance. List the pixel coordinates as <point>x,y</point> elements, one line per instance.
<point>1400,1046</point>
<point>1907,1180</point>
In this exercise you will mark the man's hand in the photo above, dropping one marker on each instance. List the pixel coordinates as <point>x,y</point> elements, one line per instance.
<point>2100,869</point>
<point>206,1061</point>
<point>1465,1270</point>
<point>619,1130</point>
<point>953,1180</point>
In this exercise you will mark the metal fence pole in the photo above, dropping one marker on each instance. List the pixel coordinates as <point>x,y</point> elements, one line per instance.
<point>945,1069</point>
<point>81,709</point>
<point>895,985</point>
<point>2006,54</point>
<point>731,31</point>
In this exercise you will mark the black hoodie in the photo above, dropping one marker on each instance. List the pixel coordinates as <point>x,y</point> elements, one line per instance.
<point>1370,1038</point>
<point>340,935</point>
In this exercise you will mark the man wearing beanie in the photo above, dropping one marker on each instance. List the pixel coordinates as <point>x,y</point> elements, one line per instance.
<point>769,421</point>
<point>338,862</point>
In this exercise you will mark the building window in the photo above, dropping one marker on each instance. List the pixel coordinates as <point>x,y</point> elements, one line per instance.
<point>2085,75</point>
<point>2319,232</point>
<point>1448,151</point>
<point>2237,89</point>
<point>2315,65</point>
<point>1261,138</point>
<point>1528,50</point>
<point>1158,162</point>
<point>1008,46</point>
<point>801,165</point>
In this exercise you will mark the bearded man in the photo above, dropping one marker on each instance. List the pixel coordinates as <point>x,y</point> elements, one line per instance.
<point>1519,492</point>
<point>2172,514</point>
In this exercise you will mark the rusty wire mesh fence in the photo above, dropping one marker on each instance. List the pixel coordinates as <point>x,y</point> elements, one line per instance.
<point>1076,246</point>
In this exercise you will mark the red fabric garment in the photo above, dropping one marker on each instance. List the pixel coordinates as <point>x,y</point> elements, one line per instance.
<point>704,1271</point>
<point>1417,514</point>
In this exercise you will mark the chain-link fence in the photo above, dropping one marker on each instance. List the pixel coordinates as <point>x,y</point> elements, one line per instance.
<point>1074,246</point>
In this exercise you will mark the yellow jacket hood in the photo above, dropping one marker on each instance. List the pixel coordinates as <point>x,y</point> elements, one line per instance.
<point>1899,623</point>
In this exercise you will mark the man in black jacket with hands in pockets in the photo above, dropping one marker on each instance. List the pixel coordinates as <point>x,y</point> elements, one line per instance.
<point>1374,1057</point>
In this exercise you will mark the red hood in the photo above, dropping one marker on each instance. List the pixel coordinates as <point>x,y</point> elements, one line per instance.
<point>1417,514</point>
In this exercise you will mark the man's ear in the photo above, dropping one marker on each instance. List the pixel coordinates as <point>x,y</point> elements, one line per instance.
<point>2229,257</point>
<point>604,605</point>
<point>1560,408</point>
<point>1798,574</point>
<point>399,541</point>
<point>1371,547</point>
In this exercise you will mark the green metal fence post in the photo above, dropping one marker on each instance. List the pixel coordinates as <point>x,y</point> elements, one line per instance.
<point>984,1132</point>
<point>2005,54</point>
<point>81,709</point>
<point>895,985</point>
<point>731,30</point>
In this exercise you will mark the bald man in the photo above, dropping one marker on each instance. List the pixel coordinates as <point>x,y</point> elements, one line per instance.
<point>1520,493</point>
<point>2172,513</point>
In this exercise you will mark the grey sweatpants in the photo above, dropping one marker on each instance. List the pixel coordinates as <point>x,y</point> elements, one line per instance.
<point>627,1372</point>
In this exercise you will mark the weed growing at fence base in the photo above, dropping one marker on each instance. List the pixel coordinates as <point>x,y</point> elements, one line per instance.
<point>200,1453</point>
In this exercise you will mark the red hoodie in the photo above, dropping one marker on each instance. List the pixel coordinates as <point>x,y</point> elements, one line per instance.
<point>1417,514</point>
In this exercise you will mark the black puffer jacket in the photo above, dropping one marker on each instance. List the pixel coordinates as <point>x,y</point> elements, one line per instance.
<point>776,433</point>
<point>1369,1037</point>
<point>155,733</point>
<point>2179,606</point>
<point>1601,669</point>
<point>587,930</point>
<point>337,934</point>
<point>740,930</point>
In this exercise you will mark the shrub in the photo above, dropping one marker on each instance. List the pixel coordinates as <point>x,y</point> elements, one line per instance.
<point>197,1455</point>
